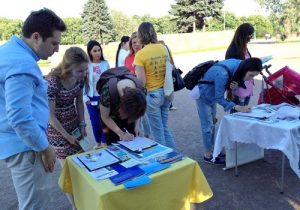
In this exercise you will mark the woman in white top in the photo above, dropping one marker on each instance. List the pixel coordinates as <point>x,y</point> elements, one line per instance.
<point>122,52</point>
<point>91,97</point>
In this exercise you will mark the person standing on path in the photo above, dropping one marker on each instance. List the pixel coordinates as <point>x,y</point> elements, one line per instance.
<point>24,108</point>
<point>91,97</point>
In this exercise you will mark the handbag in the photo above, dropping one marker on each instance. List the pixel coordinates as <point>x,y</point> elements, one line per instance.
<point>168,84</point>
<point>178,82</point>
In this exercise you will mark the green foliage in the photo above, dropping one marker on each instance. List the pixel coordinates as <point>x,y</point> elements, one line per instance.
<point>9,27</point>
<point>97,22</point>
<point>217,23</point>
<point>261,24</point>
<point>123,25</point>
<point>73,35</point>
<point>284,14</point>
<point>190,13</point>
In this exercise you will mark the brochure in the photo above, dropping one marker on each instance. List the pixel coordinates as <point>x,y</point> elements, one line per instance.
<point>102,173</point>
<point>171,157</point>
<point>138,143</point>
<point>148,153</point>
<point>123,156</point>
<point>85,144</point>
<point>126,175</point>
<point>97,159</point>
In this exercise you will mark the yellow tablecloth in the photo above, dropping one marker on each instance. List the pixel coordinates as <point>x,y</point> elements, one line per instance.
<point>171,189</point>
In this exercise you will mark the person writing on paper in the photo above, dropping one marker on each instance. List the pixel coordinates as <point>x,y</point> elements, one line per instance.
<point>24,109</point>
<point>150,68</point>
<point>210,94</point>
<point>65,96</point>
<point>121,117</point>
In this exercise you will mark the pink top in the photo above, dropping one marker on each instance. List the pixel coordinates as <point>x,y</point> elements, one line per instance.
<point>129,63</point>
<point>243,93</point>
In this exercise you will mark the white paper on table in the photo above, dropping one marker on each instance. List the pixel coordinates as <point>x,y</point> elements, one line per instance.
<point>97,159</point>
<point>138,143</point>
<point>102,173</point>
<point>130,163</point>
<point>255,113</point>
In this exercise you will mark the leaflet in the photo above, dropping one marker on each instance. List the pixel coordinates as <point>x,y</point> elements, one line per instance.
<point>97,159</point>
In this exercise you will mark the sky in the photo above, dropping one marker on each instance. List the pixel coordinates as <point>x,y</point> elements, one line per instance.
<point>20,9</point>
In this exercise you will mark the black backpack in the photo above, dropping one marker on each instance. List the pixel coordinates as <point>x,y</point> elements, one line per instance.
<point>193,77</point>
<point>112,76</point>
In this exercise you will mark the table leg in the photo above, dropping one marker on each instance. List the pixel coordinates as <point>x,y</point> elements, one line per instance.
<point>282,173</point>
<point>236,169</point>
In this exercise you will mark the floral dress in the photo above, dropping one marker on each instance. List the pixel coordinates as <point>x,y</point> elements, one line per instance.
<point>66,114</point>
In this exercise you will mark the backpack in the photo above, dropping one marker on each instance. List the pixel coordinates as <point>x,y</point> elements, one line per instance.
<point>112,76</point>
<point>193,77</point>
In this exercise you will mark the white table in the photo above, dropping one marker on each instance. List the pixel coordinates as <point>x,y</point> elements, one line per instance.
<point>281,135</point>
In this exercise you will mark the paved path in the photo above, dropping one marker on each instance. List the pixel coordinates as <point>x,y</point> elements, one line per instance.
<point>257,187</point>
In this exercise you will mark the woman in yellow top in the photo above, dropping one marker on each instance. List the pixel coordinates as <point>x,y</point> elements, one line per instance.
<point>150,68</point>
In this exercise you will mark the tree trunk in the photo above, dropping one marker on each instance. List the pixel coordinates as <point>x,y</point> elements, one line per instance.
<point>194,26</point>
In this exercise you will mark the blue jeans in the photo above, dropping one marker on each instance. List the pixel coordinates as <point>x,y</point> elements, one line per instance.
<point>95,118</point>
<point>207,113</point>
<point>157,113</point>
<point>144,125</point>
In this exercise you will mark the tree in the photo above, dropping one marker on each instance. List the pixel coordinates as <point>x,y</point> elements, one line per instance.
<point>191,14</point>
<point>97,22</point>
<point>261,24</point>
<point>284,14</point>
<point>73,35</point>
<point>162,25</point>
<point>217,23</point>
<point>123,25</point>
<point>9,27</point>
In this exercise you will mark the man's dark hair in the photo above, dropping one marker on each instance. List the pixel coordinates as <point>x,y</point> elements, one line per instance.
<point>43,21</point>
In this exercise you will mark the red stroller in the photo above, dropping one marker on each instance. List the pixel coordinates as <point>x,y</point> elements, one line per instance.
<point>282,86</point>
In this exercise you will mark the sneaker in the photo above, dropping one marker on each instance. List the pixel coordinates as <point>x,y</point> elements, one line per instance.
<point>218,161</point>
<point>173,108</point>
<point>222,155</point>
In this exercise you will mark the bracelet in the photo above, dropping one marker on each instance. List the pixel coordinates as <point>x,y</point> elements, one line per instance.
<point>82,124</point>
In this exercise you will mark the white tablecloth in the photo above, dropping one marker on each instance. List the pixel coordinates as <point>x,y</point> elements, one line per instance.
<point>281,135</point>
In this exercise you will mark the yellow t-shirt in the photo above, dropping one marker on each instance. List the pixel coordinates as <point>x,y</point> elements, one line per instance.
<point>153,59</point>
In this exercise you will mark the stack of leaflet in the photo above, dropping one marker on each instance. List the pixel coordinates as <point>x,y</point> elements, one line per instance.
<point>143,149</point>
<point>171,157</point>
<point>148,153</point>
<point>138,144</point>
<point>97,159</point>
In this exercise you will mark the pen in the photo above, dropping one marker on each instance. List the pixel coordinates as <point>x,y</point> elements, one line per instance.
<point>125,130</point>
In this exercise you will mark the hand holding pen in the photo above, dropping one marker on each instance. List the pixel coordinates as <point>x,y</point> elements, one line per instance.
<point>126,136</point>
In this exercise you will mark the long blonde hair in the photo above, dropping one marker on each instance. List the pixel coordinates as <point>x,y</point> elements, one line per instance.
<point>73,57</point>
<point>133,36</point>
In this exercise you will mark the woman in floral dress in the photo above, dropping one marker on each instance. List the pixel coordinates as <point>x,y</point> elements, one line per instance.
<point>65,97</point>
<point>65,90</point>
